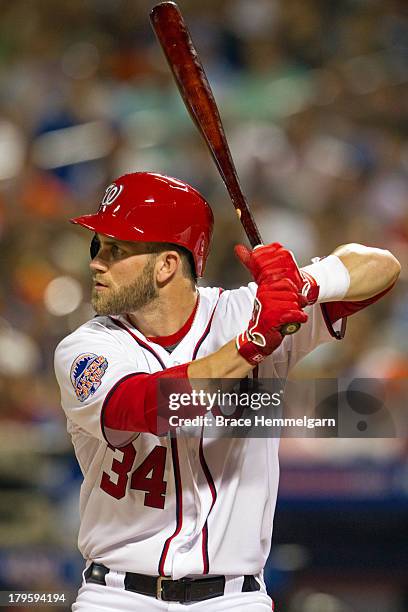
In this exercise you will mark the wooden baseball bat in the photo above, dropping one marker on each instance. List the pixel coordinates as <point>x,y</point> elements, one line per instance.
<point>175,40</point>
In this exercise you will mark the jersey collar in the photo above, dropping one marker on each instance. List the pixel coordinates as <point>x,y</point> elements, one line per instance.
<point>173,339</point>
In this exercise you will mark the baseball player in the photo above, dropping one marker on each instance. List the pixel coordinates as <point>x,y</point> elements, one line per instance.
<point>172,522</point>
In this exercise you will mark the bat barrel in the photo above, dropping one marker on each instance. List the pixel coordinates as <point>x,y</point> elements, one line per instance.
<point>189,74</point>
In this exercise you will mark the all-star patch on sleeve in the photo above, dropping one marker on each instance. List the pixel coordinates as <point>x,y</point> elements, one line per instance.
<point>86,375</point>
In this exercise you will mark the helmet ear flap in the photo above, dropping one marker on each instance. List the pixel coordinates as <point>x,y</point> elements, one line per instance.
<point>95,246</point>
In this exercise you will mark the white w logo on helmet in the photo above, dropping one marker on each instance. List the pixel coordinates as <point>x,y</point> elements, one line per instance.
<point>111,193</point>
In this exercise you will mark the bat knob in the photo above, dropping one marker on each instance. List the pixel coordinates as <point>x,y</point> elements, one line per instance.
<point>289,328</point>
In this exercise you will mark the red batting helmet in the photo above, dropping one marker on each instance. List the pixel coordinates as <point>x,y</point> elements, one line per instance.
<point>149,207</point>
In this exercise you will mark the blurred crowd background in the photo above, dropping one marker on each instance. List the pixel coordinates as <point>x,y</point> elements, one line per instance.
<point>314,97</point>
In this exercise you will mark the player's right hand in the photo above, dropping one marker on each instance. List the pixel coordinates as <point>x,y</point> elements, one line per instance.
<point>272,262</point>
<point>276,303</point>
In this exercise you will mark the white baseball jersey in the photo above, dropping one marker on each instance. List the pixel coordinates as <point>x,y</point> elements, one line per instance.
<point>172,506</point>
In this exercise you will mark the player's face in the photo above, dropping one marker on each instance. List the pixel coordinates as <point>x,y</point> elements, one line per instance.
<point>123,277</point>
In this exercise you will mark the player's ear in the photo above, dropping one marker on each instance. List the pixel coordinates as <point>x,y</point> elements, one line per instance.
<point>167,264</point>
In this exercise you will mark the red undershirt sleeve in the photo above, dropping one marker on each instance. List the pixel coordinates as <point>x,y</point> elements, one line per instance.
<point>334,311</point>
<point>132,403</point>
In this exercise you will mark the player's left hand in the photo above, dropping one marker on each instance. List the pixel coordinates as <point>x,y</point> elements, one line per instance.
<point>273,262</point>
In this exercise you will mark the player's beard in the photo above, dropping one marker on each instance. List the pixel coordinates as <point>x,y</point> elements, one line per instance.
<point>129,298</point>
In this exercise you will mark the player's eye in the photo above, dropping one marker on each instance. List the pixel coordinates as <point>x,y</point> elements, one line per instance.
<point>116,251</point>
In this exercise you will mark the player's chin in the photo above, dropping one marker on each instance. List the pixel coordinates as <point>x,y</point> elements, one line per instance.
<point>99,303</point>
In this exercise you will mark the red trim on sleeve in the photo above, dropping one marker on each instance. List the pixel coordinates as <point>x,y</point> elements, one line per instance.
<point>106,402</point>
<point>333,311</point>
<point>132,403</point>
<point>339,335</point>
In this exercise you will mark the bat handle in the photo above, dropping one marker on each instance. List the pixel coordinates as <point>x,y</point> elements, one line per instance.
<point>289,328</point>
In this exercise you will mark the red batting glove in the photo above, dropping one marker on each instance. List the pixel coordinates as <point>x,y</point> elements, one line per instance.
<point>273,262</point>
<point>275,304</point>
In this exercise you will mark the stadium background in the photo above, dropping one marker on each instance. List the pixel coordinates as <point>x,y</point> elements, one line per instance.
<point>314,98</point>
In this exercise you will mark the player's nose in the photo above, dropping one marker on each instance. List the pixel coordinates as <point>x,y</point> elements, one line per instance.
<point>98,265</point>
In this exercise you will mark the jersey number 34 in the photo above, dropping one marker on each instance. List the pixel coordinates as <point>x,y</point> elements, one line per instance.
<point>148,476</point>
